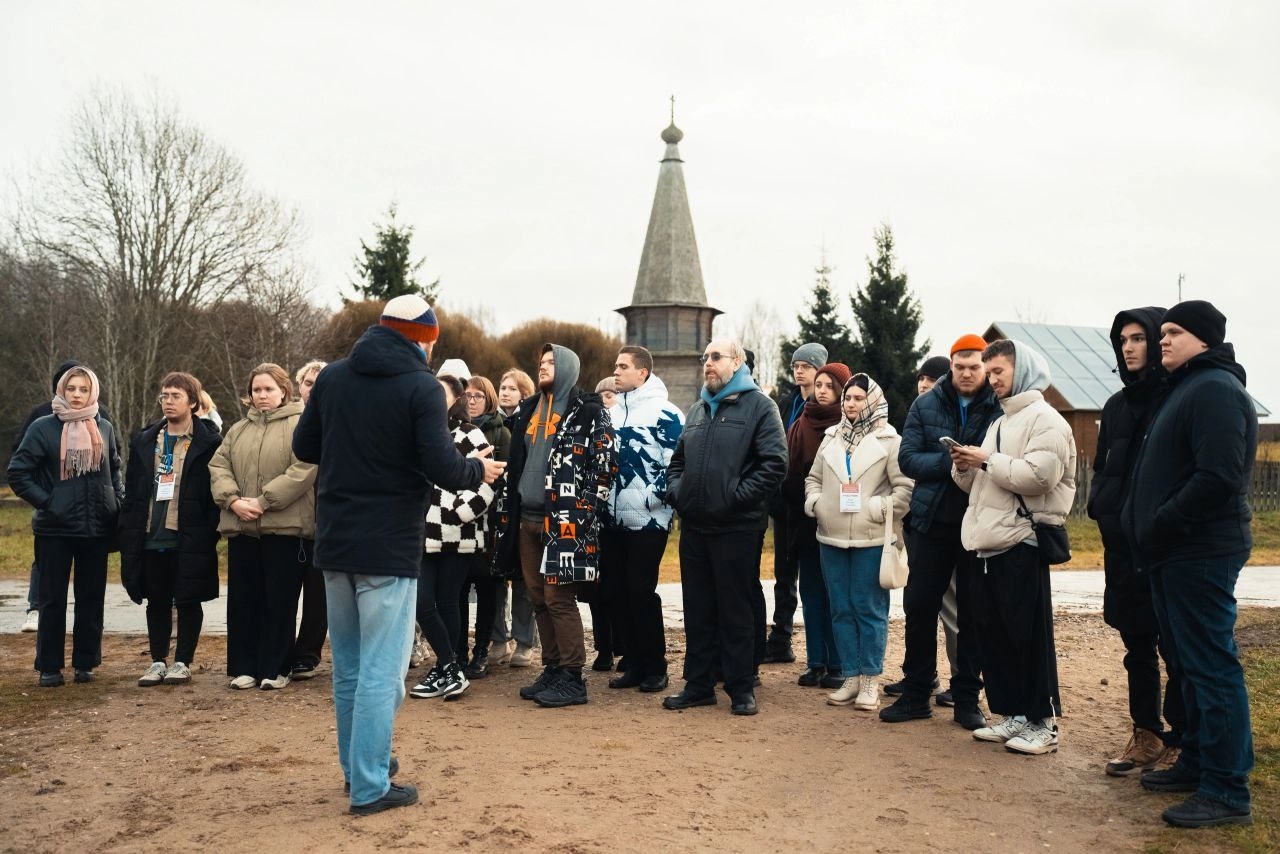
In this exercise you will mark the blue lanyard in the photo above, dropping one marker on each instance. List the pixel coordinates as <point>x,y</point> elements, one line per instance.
<point>848,464</point>
<point>166,458</point>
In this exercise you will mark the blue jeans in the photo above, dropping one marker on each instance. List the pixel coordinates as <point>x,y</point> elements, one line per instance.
<point>819,644</point>
<point>1196,606</point>
<point>370,637</point>
<point>859,608</point>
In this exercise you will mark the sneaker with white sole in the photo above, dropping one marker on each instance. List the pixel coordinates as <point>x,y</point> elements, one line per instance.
<point>452,682</point>
<point>999,733</point>
<point>32,622</point>
<point>522,657</point>
<point>154,676</point>
<point>1035,739</point>
<point>179,674</point>
<point>242,683</point>
<point>274,684</point>
<point>846,693</point>
<point>430,684</point>
<point>869,696</point>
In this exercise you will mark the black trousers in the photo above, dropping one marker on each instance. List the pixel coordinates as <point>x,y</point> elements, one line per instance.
<point>439,587</point>
<point>1143,652</point>
<point>719,579</point>
<point>1015,627</point>
<point>56,556</point>
<point>608,629</point>
<point>160,584</point>
<point>264,578</point>
<point>934,557</point>
<point>629,563</point>
<point>486,587</point>
<point>786,579</point>
<point>315,614</point>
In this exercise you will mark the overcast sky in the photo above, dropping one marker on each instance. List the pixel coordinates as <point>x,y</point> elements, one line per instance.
<point>1053,162</point>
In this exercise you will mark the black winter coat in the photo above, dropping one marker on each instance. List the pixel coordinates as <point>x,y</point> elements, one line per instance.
<point>197,515</point>
<point>84,506</point>
<point>1190,495</point>
<point>377,426</point>
<point>1126,602</point>
<point>932,415</point>
<point>725,469</point>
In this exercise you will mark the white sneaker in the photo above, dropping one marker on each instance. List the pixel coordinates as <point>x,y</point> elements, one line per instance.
<point>846,693</point>
<point>1007,728</point>
<point>154,676</point>
<point>32,622</point>
<point>869,696</point>
<point>274,684</point>
<point>1035,739</point>
<point>523,656</point>
<point>179,674</point>
<point>241,683</point>
<point>430,684</point>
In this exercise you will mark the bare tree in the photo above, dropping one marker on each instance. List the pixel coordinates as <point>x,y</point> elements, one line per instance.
<point>760,330</point>
<point>155,222</point>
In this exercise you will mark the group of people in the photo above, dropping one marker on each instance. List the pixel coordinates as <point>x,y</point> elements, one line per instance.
<point>386,492</point>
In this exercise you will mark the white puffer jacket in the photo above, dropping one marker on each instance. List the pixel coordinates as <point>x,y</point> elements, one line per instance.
<point>1037,460</point>
<point>646,428</point>
<point>874,466</point>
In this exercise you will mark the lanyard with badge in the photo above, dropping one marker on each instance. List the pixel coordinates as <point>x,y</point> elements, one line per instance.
<point>165,477</point>
<point>850,493</point>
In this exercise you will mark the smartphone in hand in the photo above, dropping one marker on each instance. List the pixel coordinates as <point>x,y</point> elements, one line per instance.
<point>949,443</point>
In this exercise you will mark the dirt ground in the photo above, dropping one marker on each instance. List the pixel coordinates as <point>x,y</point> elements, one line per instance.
<point>112,767</point>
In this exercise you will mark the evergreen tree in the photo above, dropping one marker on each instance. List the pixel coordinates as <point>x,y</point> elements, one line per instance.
<point>888,319</point>
<point>822,324</point>
<point>386,269</point>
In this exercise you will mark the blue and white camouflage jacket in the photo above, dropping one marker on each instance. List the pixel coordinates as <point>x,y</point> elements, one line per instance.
<point>646,428</point>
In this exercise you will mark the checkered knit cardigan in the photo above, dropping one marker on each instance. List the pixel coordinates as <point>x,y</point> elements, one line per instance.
<point>459,521</point>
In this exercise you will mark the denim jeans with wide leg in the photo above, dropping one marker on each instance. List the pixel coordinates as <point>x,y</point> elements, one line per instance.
<point>859,608</point>
<point>1196,606</point>
<point>370,636</point>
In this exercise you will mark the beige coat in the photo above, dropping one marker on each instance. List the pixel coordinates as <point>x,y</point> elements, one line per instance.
<point>1037,460</point>
<point>874,466</point>
<point>256,460</point>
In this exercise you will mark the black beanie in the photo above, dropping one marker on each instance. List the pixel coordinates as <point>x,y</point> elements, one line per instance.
<point>934,367</point>
<point>1201,319</point>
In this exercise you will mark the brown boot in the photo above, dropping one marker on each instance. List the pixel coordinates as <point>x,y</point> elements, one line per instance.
<point>1144,751</point>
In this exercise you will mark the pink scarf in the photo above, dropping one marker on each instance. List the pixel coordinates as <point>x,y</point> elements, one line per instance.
<point>80,451</point>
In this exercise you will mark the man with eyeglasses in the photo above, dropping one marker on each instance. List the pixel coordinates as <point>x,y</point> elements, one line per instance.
<point>805,362</point>
<point>731,457</point>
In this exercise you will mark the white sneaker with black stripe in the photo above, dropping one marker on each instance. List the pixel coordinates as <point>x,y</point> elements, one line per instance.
<point>453,682</point>
<point>429,686</point>
<point>1035,739</point>
<point>154,676</point>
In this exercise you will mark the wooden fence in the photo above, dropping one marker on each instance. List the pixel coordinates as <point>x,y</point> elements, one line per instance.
<point>1264,491</point>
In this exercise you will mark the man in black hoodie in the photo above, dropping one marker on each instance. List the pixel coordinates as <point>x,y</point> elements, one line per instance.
<point>1126,604</point>
<point>1188,519</point>
<point>377,427</point>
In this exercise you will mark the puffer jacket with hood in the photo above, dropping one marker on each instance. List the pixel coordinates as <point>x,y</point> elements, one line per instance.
<point>256,460</point>
<point>646,427</point>
<point>377,426</point>
<point>1190,493</point>
<point>1126,602</point>
<point>874,466</point>
<point>1036,459</point>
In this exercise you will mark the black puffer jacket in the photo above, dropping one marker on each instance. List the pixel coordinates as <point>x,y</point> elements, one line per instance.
<point>197,515</point>
<point>84,506</point>
<point>1126,602</point>
<point>725,469</point>
<point>1190,494</point>
<point>932,415</point>
<point>376,425</point>
<point>40,410</point>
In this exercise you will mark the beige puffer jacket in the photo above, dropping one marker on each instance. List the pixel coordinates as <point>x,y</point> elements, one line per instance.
<point>874,465</point>
<point>1037,460</point>
<point>256,460</point>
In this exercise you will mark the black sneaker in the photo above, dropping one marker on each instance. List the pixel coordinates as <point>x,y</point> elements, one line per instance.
<point>629,679</point>
<point>1178,778</point>
<point>549,675</point>
<point>1201,811</point>
<point>479,666</point>
<point>568,690</point>
<point>430,684</point>
<point>83,676</point>
<point>778,649</point>
<point>969,716</point>
<point>453,682</point>
<point>396,796</point>
<point>897,689</point>
<point>302,670</point>
<point>52,680</point>
<point>945,699</point>
<point>603,662</point>
<point>811,677</point>
<point>831,681</point>
<point>654,684</point>
<point>393,768</point>
<point>904,709</point>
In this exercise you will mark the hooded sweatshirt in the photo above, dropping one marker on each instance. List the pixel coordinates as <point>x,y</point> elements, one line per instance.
<point>1036,460</point>
<point>538,439</point>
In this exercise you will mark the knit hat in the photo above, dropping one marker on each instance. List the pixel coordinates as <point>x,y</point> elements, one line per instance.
<point>934,367</point>
<point>412,317</point>
<point>455,368</point>
<point>838,372</point>
<point>607,384</point>
<point>813,353</point>
<point>1201,319</point>
<point>968,342</point>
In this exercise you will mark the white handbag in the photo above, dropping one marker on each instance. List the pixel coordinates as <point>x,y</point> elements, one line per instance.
<point>893,559</point>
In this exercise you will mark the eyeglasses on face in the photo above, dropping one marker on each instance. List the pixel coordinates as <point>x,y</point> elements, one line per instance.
<point>474,395</point>
<point>176,397</point>
<point>712,357</point>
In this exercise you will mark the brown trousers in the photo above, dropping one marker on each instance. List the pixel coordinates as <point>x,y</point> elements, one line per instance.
<point>555,606</point>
